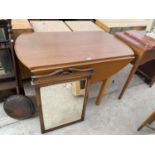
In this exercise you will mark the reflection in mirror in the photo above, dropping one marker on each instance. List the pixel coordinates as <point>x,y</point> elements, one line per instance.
<point>59,105</point>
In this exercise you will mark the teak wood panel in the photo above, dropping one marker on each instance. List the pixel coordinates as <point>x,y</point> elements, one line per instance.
<point>20,26</point>
<point>62,49</point>
<point>82,26</point>
<point>108,24</point>
<point>49,26</point>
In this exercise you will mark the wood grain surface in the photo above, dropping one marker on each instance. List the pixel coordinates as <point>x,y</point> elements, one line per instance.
<point>39,50</point>
<point>20,26</point>
<point>82,26</point>
<point>49,26</point>
<point>108,24</point>
<point>124,22</point>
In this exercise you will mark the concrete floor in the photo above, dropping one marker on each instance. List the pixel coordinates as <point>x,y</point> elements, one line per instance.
<point>113,116</point>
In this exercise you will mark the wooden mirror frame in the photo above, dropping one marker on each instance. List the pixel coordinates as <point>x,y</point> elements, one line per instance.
<point>57,77</point>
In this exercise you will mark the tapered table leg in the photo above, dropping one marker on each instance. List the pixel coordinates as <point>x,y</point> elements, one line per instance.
<point>132,72</point>
<point>147,121</point>
<point>102,91</point>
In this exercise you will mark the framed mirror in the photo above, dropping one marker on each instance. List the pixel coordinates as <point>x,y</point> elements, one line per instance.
<point>57,104</point>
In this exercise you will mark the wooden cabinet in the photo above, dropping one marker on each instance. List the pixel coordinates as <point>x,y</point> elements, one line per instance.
<point>9,78</point>
<point>147,72</point>
<point>144,54</point>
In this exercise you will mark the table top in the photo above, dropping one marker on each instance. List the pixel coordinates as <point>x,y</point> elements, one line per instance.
<point>145,53</point>
<point>41,50</point>
<point>82,26</point>
<point>21,24</point>
<point>124,22</point>
<point>136,45</point>
<point>49,26</point>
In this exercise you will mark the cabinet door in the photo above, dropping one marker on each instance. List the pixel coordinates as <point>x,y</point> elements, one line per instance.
<point>6,69</point>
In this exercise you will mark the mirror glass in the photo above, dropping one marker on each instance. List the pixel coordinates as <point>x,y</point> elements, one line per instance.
<point>60,105</point>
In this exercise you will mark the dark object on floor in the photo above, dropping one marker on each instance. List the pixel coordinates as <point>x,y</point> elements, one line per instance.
<point>147,71</point>
<point>147,122</point>
<point>19,107</point>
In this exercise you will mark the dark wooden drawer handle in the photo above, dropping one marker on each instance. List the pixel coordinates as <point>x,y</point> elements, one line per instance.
<point>63,72</point>
<point>81,70</point>
<point>48,75</point>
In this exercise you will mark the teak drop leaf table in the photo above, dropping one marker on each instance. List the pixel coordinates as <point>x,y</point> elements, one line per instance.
<point>43,53</point>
